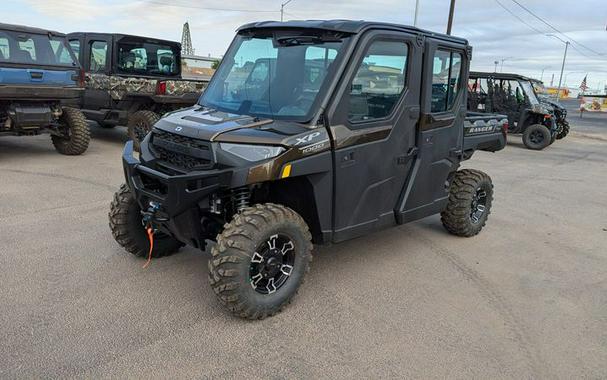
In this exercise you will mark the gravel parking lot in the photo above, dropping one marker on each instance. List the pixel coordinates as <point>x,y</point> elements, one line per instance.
<point>527,298</point>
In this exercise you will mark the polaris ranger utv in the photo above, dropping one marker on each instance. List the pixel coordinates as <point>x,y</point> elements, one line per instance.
<point>560,112</point>
<point>309,132</point>
<point>132,80</point>
<point>41,88</point>
<point>514,95</point>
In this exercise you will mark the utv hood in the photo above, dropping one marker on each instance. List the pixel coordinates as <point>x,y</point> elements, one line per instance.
<point>218,126</point>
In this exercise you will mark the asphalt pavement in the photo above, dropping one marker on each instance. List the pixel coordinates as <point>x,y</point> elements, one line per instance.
<point>527,298</point>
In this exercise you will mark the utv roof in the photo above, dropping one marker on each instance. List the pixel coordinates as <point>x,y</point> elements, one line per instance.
<point>482,74</point>
<point>29,29</point>
<point>120,35</point>
<point>345,26</point>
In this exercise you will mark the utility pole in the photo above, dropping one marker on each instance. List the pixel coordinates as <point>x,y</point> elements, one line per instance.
<point>496,63</point>
<point>451,12</point>
<point>282,10</point>
<point>416,13</point>
<point>558,91</point>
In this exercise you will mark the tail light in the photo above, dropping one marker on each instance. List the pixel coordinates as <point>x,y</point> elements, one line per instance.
<point>505,126</point>
<point>161,88</point>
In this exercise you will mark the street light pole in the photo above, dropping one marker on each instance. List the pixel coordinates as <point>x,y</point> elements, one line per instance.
<point>451,12</point>
<point>502,66</point>
<point>282,10</point>
<point>496,63</point>
<point>416,13</point>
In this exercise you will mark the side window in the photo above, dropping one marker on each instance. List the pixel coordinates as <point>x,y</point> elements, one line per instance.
<point>132,59</point>
<point>75,44</point>
<point>98,56</point>
<point>4,48</point>
<point>446,74</point>
<point>379,81</point>
<point>28,49</point>
<point>166,61</point>
<point>61,53</point>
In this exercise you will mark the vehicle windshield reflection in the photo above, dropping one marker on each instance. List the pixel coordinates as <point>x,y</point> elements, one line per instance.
<point>273,76</point>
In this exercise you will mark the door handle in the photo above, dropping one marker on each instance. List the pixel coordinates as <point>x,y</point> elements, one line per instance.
<point>347,160</point>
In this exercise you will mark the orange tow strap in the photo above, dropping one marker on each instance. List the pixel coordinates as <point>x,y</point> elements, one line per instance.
<point>151,237</point>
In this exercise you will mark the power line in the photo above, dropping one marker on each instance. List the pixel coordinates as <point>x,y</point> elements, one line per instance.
<point>535,29</point>
<point>518,17</point>
<point>555,29</point>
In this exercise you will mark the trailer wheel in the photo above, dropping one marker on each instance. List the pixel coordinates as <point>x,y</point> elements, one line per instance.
<point>469,206</point>
<point>537,137</point>
<point>77,135</point>
<point>260,260</point>
<point>129,232</point>
<point>139,125</point>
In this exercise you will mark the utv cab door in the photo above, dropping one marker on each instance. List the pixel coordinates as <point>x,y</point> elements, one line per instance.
<point>440,131</point>
<point>372,123</point>
<point>97,54</point>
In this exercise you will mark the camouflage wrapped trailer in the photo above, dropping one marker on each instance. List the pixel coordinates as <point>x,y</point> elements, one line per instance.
<point>131,80</point>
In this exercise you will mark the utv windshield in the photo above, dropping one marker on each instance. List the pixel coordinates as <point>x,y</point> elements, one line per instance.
<point>35,49</point>
<point>530,92</point>
<point>277,75</point>
<point>142,57</point>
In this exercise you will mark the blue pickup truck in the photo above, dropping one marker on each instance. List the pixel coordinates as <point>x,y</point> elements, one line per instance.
<point>41,85</point>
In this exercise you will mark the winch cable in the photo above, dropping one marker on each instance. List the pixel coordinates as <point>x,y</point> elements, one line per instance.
<point>150,232</point>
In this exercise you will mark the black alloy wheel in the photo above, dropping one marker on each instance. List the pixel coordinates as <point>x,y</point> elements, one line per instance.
<point>272,264</point>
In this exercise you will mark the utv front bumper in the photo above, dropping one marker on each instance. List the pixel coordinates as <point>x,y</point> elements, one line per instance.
<point>178,198</point>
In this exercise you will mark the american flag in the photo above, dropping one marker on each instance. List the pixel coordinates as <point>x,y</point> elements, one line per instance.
<point>584,85</point>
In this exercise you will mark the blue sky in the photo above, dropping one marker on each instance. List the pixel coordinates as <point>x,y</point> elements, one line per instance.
<point>495,33</point>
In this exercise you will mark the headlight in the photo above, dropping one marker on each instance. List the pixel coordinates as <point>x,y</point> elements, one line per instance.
<point>252,152</point>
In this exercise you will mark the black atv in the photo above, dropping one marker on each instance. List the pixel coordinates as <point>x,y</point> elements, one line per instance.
<point>514,96</point>
<point>559,111</point>
<point>41,88</point>
<point>309,132</point>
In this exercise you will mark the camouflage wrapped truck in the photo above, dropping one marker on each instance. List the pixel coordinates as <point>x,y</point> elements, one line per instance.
<point>132,80</point>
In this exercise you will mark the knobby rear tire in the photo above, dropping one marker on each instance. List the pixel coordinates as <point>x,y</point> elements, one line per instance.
<point>457,216</point>
<point>79,135</point>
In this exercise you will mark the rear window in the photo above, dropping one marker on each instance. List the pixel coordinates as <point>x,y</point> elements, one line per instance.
<point>35,49</point>
<point>147,58</point>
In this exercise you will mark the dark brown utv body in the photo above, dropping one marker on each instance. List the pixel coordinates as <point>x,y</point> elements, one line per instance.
<point>376,149</point>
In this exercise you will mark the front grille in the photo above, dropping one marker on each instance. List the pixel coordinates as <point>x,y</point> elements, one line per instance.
<point>181,152</point>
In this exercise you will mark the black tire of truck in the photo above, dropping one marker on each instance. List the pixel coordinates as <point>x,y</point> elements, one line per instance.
<point>129,232</point>
<point>78,133</point>
<point>139,125</point>
<point>260,260</point>
<point>564,130</point>
<point>537,137</point>
<point>469,206</point>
